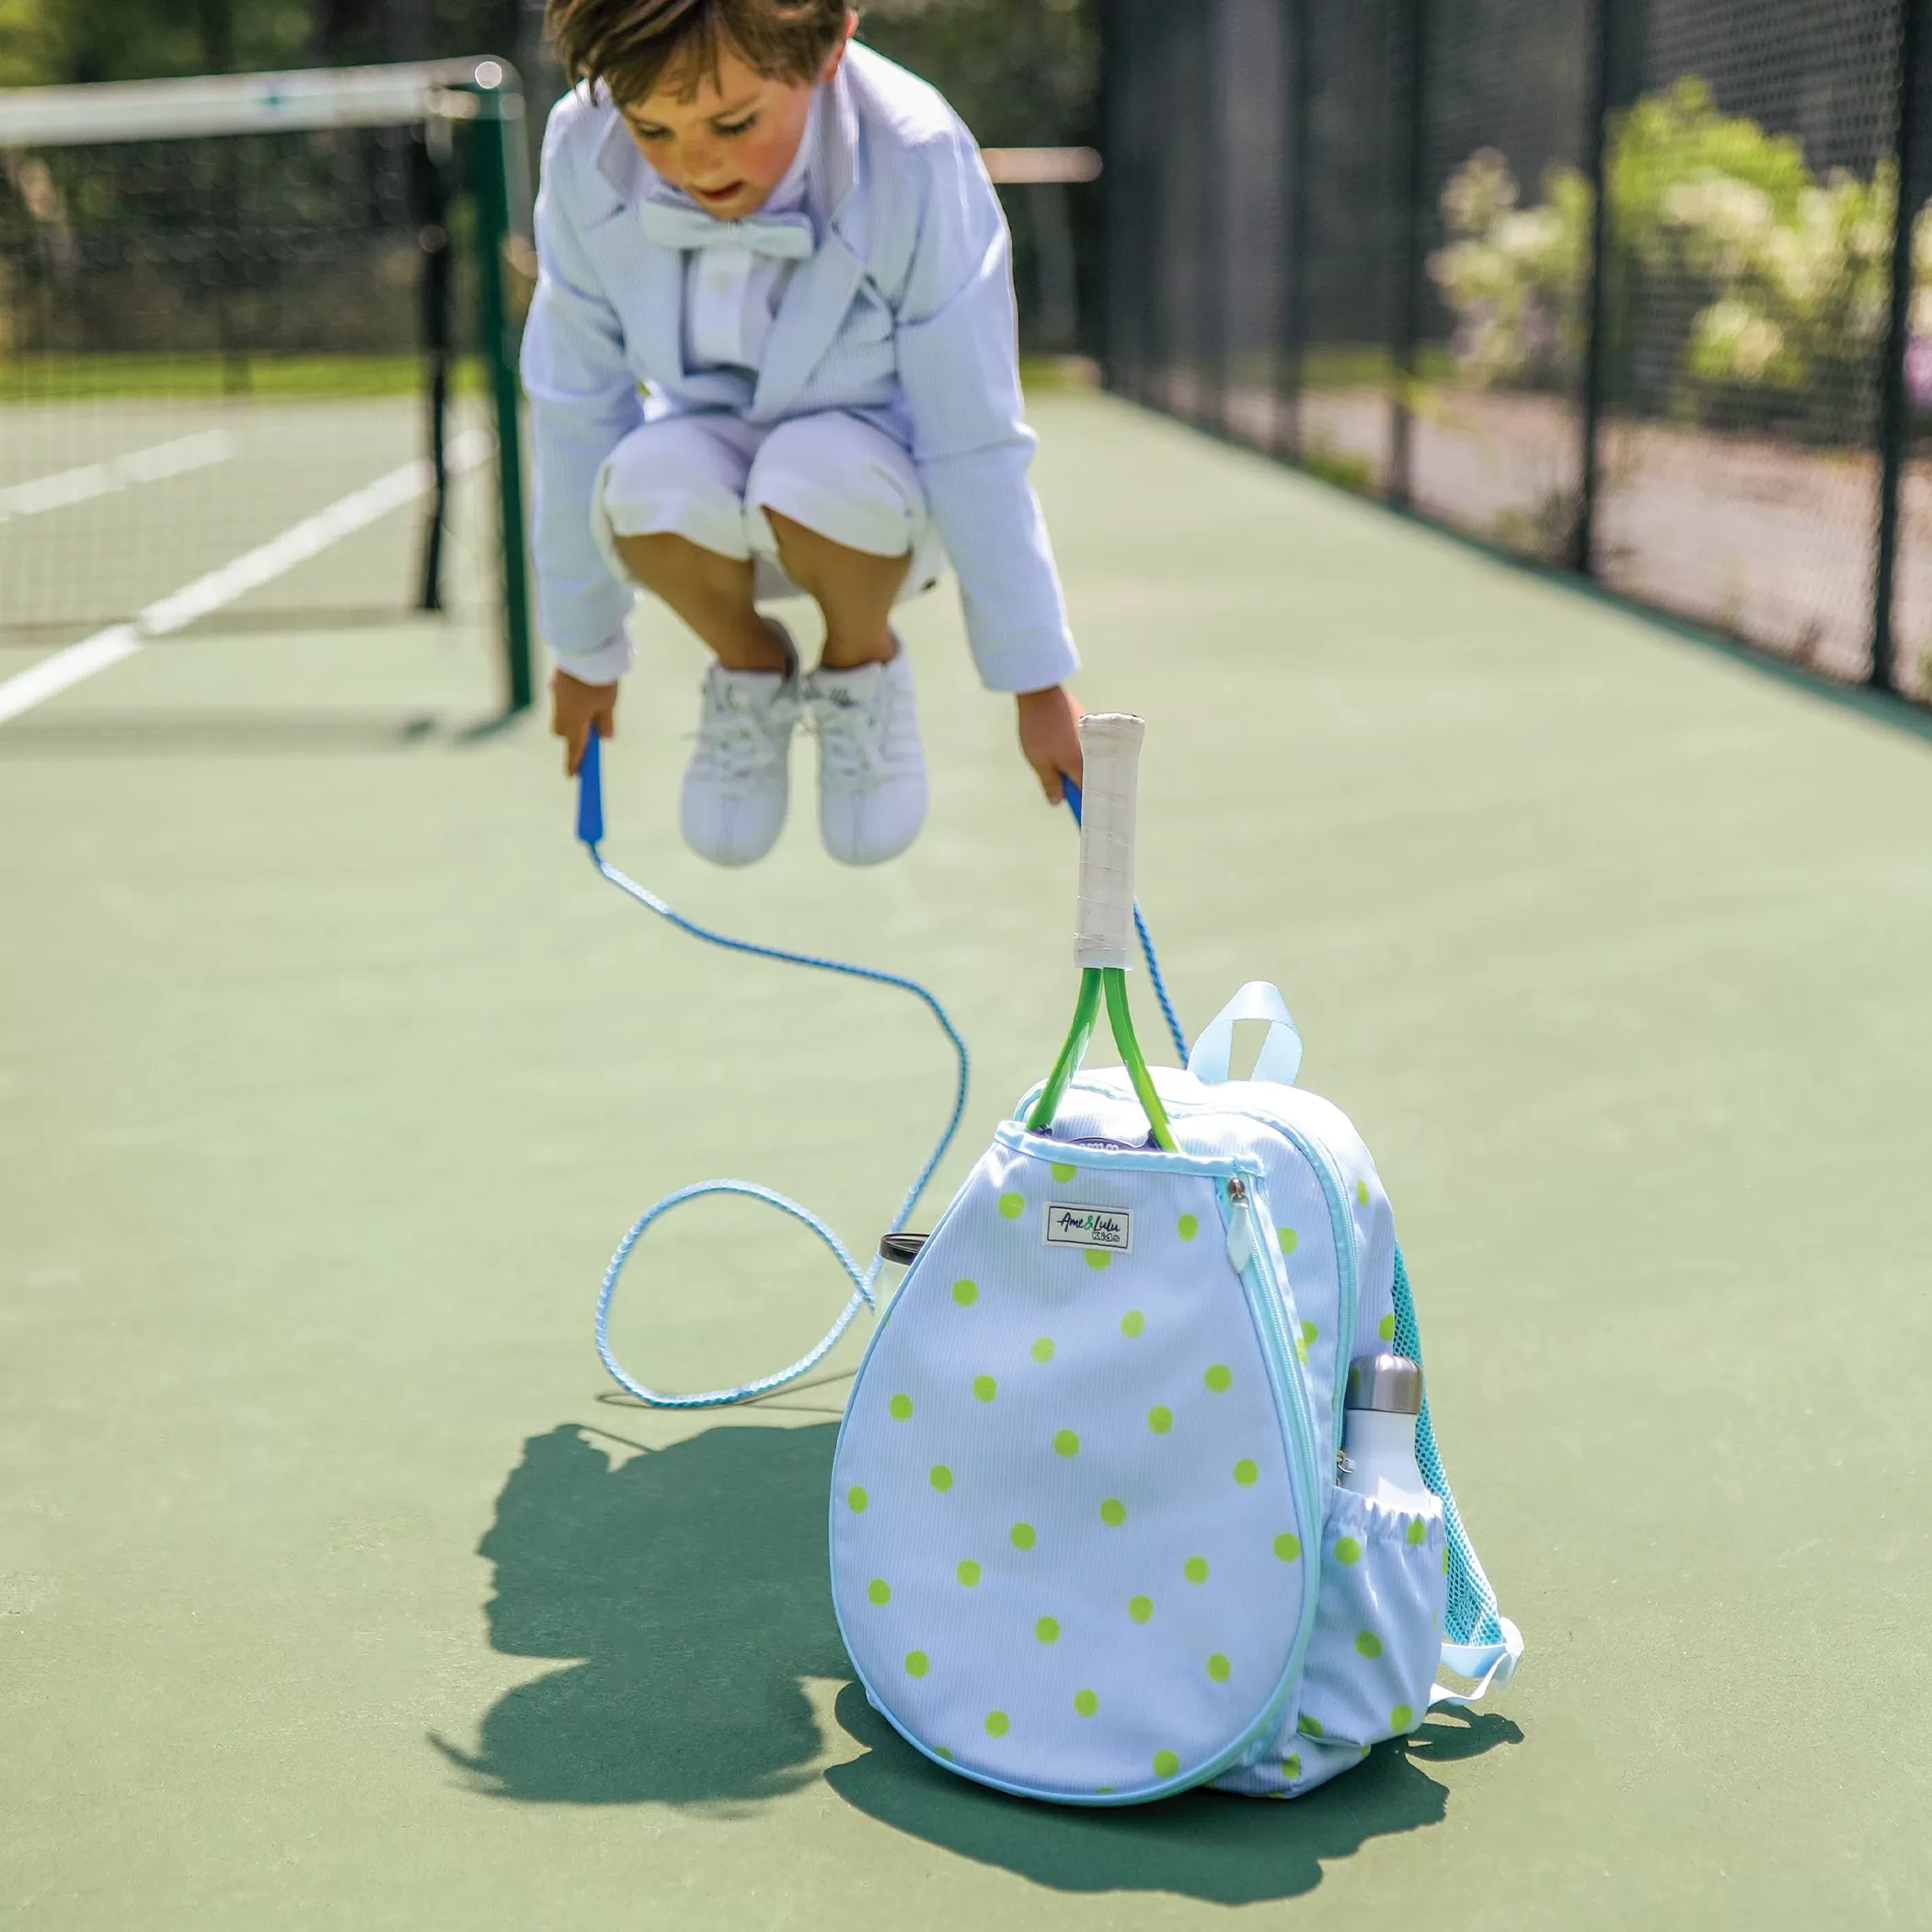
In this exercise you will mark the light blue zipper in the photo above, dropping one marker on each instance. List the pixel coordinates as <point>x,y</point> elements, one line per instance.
<point>1273,1304</point>
<point>1342,1230</point>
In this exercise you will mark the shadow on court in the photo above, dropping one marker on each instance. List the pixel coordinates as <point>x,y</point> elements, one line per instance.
<point>688,1587</point>
<point>690,1583</point>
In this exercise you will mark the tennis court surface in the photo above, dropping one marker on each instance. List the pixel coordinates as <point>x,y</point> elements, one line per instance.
<point>335,1590</point>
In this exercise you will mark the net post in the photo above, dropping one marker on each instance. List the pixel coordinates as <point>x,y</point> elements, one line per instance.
<point>428,163</point>
<point>1411,90</point>
<point>1894,402</point>
<point>1297,92</point>
<point>1597,137</point>
<point>493,149</point>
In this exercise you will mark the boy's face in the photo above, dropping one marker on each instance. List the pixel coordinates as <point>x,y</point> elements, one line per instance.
<point>729,143</point>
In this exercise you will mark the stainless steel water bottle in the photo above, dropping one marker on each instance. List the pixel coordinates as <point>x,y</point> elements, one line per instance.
<point>1378,1443</point>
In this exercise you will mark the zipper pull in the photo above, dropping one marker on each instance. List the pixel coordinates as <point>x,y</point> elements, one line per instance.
<point>1241,1248</point>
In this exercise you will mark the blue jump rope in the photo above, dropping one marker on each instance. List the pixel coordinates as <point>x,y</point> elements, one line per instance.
<point>589,829</point>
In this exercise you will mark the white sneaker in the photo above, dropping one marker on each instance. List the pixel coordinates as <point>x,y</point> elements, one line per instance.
<point>738,785</point>
<point>871,769</point>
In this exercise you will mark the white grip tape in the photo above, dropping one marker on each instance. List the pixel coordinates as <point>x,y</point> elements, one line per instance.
<point>1110,756</point>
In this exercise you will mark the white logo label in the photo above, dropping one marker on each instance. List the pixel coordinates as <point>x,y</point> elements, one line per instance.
<point>1067,1225</point>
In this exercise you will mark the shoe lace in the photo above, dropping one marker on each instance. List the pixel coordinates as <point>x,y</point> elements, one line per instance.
<point>850,734</point>
<point>736,745</point>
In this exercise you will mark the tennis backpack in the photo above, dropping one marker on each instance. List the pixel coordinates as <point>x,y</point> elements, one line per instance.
<point>1088,1543</point>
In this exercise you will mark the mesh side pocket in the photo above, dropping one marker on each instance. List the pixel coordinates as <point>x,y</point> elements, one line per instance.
<point>1373,1654</point>
<point>1378,1628</point>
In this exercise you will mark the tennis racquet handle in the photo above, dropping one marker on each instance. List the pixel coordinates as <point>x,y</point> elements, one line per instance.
<point>1110,753</point>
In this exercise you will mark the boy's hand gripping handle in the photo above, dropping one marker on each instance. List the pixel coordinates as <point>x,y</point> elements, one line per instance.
<point>1110,753</point>
<point>590,793</point>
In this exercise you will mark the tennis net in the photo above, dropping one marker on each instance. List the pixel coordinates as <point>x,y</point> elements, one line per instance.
<point>256,346</point>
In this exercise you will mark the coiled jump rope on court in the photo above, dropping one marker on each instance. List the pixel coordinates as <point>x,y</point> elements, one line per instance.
<point>589,829</point>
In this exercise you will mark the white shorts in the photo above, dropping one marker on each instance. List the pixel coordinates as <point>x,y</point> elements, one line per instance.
<point>711,478</point>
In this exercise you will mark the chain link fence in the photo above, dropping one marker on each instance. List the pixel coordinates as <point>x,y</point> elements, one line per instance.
<point>1639,288</point>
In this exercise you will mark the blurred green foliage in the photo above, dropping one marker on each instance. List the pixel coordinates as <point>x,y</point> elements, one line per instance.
<point>1021,73</point>
<point>1770,283</point>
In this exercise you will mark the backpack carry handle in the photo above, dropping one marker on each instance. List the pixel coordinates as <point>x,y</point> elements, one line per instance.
<point>1281,1055</point>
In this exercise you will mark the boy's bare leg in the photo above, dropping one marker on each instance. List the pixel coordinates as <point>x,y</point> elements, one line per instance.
<point>710,592</point>
<point>854,589</point>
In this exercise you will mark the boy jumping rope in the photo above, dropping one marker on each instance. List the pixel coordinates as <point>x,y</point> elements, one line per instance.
<point>790,246</point>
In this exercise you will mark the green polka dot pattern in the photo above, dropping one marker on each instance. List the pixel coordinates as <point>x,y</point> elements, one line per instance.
<point>1013,1508</point>
<point>1386,1328</point>
<point>1417,1532</point>
<point>1362,1193</point>
<point>1292,1764</point>
<point>1288,1239</point>
<point>1400,1719</point>
<point>1367,1644</point>
<point>1311,1726</point>
<point>1347,1550</point>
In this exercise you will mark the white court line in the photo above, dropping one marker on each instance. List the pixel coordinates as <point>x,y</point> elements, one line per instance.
<point>100,479</point>
<point>248,573</point>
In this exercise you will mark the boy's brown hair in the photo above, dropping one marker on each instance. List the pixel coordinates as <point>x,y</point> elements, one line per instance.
<point>630,46</point>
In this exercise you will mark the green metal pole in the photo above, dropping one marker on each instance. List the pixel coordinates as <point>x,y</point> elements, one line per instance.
<point>499,122</point>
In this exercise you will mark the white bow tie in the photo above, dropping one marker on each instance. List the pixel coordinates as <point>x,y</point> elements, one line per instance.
<point>789,237</point>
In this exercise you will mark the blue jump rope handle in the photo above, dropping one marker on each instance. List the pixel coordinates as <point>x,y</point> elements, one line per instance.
<point>589,792</point>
